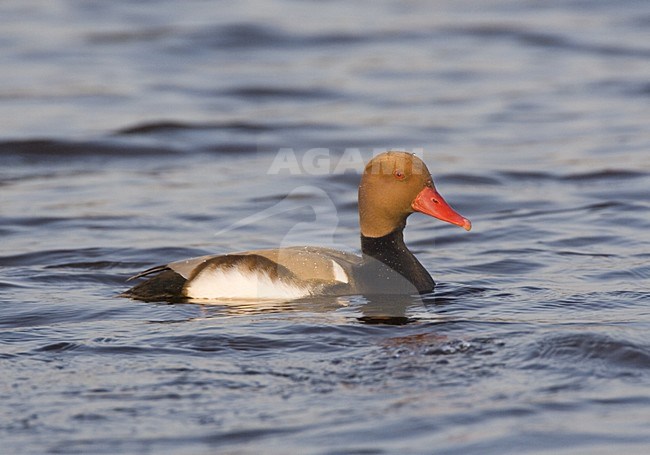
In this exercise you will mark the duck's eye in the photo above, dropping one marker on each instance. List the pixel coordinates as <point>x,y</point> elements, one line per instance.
<point>399,174</point>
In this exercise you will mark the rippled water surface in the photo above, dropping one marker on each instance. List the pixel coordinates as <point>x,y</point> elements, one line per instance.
<point>136,133</point>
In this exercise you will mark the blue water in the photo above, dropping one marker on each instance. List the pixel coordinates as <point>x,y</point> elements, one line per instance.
<point>137,133</point>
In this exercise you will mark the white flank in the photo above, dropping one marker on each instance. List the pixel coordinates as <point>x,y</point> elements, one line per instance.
<point>231,283</point>
<point>339,273</point>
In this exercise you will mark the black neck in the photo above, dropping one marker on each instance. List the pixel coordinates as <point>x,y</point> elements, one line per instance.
<point>392,251</point>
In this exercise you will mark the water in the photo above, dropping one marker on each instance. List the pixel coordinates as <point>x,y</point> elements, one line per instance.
<point>133,133</point>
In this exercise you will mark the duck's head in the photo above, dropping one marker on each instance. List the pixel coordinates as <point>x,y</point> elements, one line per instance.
<point>394,185</point>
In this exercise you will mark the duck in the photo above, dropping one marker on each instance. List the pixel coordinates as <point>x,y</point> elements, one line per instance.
<point>394,185</point>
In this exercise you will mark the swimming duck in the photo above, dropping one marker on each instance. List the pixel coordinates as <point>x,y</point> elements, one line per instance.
<point>393,186</point>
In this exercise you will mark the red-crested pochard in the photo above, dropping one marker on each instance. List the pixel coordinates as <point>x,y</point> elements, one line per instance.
<point>393,185</point>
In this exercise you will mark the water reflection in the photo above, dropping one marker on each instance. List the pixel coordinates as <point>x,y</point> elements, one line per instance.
<point>368,309</point>
<point>388,309</point>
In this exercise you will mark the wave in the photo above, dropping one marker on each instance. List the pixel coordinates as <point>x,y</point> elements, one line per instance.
<point>534,38</point>
<point>43,150</point>
<point>590,348</point>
